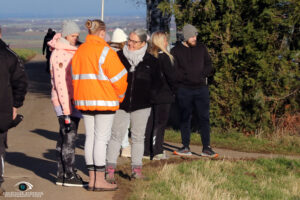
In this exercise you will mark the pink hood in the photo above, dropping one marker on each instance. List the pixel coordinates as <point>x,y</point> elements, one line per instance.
<point>61,74</point>
<point>58,43</point>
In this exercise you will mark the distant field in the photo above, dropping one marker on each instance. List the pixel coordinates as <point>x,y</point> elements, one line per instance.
<point>34,40</point>
<point>25,54</point>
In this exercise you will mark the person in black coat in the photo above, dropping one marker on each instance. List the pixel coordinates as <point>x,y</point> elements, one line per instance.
<point>143,82</point>
<point>48,37</point>
<point>164,98</point>
<point>193,68</point>
<point>13,86</point>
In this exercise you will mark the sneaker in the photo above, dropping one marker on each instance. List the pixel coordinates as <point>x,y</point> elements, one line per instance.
<point>126,152</point>
<point>59,181</point>
<point>208,152</point>
<point>147,157</point>
<point>110,175</point>
<point>74,181</point>
<point>162,156</point>
<point>137,173</point>
<point>183,151</point>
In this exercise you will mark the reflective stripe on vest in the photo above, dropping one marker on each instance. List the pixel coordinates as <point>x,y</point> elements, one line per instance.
<point>118,76</point>
<point>96,103</point>
<point>101,75</point>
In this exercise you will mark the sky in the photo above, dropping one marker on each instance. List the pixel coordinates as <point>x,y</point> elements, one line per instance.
<point>68,8</point>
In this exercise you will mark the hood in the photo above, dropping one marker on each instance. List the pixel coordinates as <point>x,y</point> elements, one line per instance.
<point>58,42</point>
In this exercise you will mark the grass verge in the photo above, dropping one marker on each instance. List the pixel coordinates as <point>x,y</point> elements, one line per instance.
<point>25,54</point>
<point>220,179</point>
<point>237,141</point>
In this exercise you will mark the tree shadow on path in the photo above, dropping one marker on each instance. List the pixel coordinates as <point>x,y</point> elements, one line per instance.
<point>39,79</point>
<point>54,136</point>
<point>42,168</point>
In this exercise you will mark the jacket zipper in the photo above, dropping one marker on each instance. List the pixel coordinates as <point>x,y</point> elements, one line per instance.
<point>131,90</point>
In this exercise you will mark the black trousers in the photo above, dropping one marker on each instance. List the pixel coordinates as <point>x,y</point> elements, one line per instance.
<point>65,147</point>
<point>3,146</point>
<point>188,99</point>
<point>155,130</point>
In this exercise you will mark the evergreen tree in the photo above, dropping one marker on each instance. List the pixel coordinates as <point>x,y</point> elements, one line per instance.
<point>255,50</point>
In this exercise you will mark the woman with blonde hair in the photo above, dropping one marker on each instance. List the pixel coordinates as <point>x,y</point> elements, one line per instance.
<point>100,82</point>
<point>163,99</point>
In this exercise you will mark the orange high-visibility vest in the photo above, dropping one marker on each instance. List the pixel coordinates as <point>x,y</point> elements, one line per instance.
<point>99,77</point>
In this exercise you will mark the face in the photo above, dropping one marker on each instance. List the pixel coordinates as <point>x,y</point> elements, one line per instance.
<point>166,42</point>
<point>134,42</point>
<point>192,41</point>
<point>72,38</point>
<point>102,34</point>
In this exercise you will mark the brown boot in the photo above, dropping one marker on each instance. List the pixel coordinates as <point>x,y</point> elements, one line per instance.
<point>2,191</point>
<point>92,177</point>
<point>102,185</point>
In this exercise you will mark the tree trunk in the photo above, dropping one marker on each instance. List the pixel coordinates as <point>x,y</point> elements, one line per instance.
<point>156,19</point>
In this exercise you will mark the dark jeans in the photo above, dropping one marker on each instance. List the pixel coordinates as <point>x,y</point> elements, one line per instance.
<point>65,147</point>
<point>188,99</point>
<point>155,131</point>
<point>3,146</point>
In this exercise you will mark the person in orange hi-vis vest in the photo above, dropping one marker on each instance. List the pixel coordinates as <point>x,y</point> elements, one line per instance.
<point>100,83</point>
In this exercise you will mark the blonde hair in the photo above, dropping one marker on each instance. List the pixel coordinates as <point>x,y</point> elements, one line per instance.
<point>157,44</point>
<point>95,26</point>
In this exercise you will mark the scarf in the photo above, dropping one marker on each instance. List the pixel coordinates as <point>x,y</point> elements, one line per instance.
<point>134,57</point>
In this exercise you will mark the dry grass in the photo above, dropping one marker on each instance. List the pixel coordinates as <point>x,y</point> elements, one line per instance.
<point>221,179</point>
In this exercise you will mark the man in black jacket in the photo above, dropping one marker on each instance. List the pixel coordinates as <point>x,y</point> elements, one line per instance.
<point>193,69</point>
<point>13,85</point>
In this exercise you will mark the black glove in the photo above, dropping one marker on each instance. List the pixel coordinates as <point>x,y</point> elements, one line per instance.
<point>16,121</point>
<point>67,123</point>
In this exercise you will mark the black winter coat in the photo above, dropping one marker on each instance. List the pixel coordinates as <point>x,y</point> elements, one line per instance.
<point>13,85</point>
<point>167,90</point>
<point>193,65</point>
<point>143,83</point>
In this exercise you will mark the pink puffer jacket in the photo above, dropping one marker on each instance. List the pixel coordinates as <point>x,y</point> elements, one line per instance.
<point>61,77</point>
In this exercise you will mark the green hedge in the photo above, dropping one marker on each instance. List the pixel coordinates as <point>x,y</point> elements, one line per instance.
<point>255,47</point>
<point>25,54</point>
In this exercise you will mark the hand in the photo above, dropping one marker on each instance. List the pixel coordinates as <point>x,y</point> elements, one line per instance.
<point>14,113</point>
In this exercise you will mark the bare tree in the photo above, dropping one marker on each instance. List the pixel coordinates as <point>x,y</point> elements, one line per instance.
<point>156,19</point>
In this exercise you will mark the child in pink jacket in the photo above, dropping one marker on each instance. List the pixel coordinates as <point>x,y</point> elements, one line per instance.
<point>63,47</point>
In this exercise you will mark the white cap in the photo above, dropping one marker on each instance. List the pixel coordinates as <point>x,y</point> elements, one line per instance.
<point>119,36</point>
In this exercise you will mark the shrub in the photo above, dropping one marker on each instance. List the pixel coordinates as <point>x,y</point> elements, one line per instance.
<point>255,50</point>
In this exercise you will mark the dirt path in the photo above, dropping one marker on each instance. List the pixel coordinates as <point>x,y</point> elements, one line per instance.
<point>31,153</point>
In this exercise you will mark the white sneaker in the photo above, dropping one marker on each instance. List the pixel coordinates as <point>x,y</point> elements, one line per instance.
<point>161,156</point>
<point>126,152</point>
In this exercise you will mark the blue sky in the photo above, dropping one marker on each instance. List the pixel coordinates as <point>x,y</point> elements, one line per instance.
<point>68,8</point>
